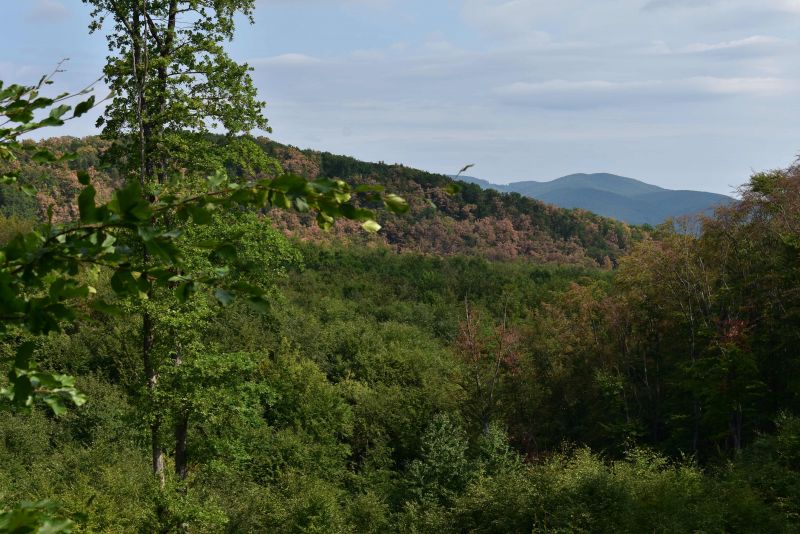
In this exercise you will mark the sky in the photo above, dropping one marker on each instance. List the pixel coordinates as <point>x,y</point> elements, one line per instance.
<point>685,94</point>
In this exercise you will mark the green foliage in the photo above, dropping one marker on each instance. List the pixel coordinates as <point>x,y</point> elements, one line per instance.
<point>88,461</point>
<point>772,466</point>
<point>38,303</point>
<point>578,492</point>
<point>337,412</point>
<point>138,241</point>
<point>443,470</point>
<point>34,518</point>
<point>20,304</point>
<point>16,205</point>
<point>295,387</point>
<point>170,73</point>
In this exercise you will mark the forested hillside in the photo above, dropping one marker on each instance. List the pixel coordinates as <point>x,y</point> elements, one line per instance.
<point>406,393</point>
<point>443,219</point>
<point>205,334</point>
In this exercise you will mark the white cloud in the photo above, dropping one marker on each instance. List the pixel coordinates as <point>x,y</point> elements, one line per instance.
<point>654,5</point>
<point>753,45</point>
<point>564,94</point>
<point>755,41</point>
<point>788,6</point>
<point>762,87</point>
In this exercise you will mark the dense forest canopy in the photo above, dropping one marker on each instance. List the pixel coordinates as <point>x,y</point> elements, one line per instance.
<point>219,333</point>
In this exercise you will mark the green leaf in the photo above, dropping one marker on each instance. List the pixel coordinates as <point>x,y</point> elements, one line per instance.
<point>50,121</point>
<point>67,289</point>
<point>367,188</point>
<point>216,180</point>
<point>395,204</point>
<point>357,214</point>
<point>341,196</point>
<point>200,215</point>
<point>280,200</point>
<point>224,297</point>
<point>207,244</point>
<point>86,206</point>
<point>226,251</point>
<point>43,156</point>
<point>452,188</point>
<point>129,204</point>
<point>324,221</point>
<point>39,518</point>
<point>259,304</point>
<point>301,205</point>
<point>371,226</point>
<point>84,106</point>
<point>323,185</point>
<point>56,404</point>
<point>163,249</point>
<point>289,183</point>
<point>58,112</point>
<point>22,391</point>
<point>83,178</point>
<point>123,283</point>
<point>249,289</point>
<point>184,291</point>
<point>19,114</point>
<point>24,354</point>
<point>104,307</point>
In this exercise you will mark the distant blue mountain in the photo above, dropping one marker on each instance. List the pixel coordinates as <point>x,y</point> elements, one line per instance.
<point>477,181</point>
<point>621,198</point>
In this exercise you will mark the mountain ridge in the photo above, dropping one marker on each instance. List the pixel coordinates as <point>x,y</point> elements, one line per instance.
<point>610,195</point>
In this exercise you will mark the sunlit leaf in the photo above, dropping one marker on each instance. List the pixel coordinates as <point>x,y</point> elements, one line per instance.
<point>371,226</point>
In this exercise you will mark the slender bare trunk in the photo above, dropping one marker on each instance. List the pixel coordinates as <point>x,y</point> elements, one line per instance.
<point>181,428</point>
<point>139,45</point>
<point>181,433</point>
<point>151,375</point>
<point>736,427</point>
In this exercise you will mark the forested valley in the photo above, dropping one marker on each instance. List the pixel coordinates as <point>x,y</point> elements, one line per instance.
<point>206,332</point>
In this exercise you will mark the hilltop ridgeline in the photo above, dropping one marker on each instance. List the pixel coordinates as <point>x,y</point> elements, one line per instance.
<point>444,219</point>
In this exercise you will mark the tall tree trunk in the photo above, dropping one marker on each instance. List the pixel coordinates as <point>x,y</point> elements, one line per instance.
<point>138,39</point>
<point>151,375</point>
<point>736,427</point>
<point>181,426</point>
<point>181,433</point>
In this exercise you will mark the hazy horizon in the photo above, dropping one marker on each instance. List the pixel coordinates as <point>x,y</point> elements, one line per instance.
<point>492,181</point>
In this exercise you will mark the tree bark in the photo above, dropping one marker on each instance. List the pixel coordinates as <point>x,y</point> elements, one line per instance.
<point>181,433</point>
<point>139,50</point>
<point>151,374</point>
